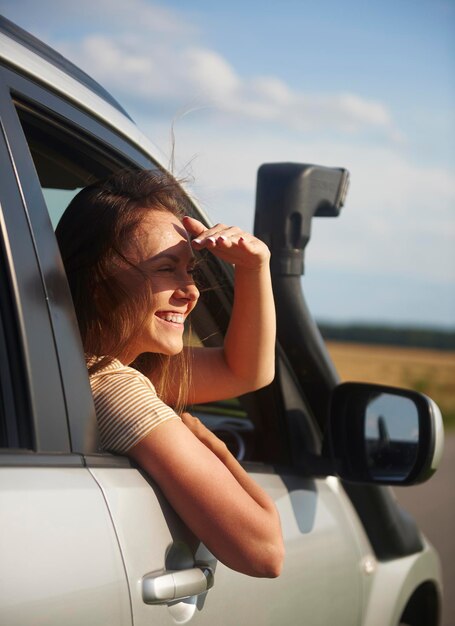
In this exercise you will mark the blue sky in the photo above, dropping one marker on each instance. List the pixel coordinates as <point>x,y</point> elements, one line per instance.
<point>365,85</point>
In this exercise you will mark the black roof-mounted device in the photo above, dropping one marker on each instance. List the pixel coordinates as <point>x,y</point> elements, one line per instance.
<point>288,196</point>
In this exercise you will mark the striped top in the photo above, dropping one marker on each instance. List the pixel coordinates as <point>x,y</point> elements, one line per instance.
<point>127,407</point>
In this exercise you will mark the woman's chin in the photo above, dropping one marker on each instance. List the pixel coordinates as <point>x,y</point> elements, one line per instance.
<point>172,350</point>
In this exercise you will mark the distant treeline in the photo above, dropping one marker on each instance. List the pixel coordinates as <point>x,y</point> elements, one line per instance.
<point>389,335</point>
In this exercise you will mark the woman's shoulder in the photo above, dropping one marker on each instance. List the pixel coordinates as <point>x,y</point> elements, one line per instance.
<point>127,406</point>
<point>115,373</point>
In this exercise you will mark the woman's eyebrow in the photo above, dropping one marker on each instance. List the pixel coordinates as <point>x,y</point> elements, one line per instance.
<point>171,257</point>
<point>165,255</point>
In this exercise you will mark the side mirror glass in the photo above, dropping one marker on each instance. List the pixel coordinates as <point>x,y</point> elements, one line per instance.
<point>383,434</point>
<point>391,431</point>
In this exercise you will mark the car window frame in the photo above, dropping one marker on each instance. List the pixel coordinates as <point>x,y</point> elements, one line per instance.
<point>16,431</point>
<point>27,305</point>
<point>76,396</point>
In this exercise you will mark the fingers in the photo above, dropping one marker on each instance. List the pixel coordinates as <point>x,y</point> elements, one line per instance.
<point>195,229</point>
<point>229,243</point>
<point>224,237</point>
<point>200,431</point>
<point>193,226</point>
<point>218,236</point>
<point>192,423</point>
<point>189,420</point>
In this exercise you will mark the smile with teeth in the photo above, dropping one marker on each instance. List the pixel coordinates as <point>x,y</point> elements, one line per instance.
<point>171,316</point>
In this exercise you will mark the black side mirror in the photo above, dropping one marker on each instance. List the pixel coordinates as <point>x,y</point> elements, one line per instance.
<point>385,435</point>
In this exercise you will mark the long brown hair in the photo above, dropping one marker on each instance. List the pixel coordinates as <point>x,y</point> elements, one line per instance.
<point>92,235</point>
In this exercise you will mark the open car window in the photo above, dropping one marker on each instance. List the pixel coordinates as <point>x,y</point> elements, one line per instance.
<point>66,161</point>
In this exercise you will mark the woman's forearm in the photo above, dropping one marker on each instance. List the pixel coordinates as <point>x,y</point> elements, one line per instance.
<point>265,512</point>
<point>247,360</point>
<point>249,344</point>
<point>214,496</point>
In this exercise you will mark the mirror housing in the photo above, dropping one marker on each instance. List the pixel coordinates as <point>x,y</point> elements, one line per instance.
<point>383,435</point>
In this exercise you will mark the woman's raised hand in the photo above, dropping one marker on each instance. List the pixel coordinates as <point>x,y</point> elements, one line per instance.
<point>246,361</point>
<point>229,243</point>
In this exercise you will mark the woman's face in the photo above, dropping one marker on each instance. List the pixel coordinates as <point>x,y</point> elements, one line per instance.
<point>161,250</point>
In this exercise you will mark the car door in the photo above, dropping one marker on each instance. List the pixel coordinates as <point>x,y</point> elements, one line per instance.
<point>60,562</point>
<point>56,148</point>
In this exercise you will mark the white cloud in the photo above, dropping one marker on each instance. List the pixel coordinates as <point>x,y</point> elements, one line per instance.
<point>209,74</point>
<point>273,89</point>
<point>160,69</point>
<point>153,60</point>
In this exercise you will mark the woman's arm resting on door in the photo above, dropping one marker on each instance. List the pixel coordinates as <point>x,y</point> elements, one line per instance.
<point>214,496</point>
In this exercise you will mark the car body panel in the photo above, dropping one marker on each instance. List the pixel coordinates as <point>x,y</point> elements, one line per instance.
<point>52,573</point>
<point>394,582</point>
<point>322,555</point>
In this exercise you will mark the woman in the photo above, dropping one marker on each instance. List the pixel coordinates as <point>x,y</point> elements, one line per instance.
<point>129,256</point>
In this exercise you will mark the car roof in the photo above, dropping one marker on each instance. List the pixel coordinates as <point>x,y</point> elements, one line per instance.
<point>30,56</point>
<point>45,52</point>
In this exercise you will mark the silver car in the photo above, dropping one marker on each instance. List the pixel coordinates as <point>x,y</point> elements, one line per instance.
<point>86,537</point>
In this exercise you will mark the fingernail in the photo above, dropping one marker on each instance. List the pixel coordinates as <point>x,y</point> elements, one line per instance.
<point>241,239</point>
<point>222,237</point>
<point>197,240</point>
<point>212,239</point>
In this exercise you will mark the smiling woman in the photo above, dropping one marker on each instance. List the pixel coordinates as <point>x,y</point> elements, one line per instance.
<point>131,277</point>
<point>109,262</point>
<point>161,261</point>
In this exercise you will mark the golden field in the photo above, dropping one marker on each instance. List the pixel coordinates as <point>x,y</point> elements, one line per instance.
<point>430,371</point>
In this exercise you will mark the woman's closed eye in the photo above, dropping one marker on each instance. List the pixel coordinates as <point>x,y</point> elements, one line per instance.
<point>170,269</point>
<point>167,268</point>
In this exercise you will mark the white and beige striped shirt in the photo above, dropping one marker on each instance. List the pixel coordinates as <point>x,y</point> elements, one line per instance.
<point>127,407</point>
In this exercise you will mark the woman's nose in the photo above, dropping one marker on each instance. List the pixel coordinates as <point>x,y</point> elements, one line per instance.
<point>187,290</point>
